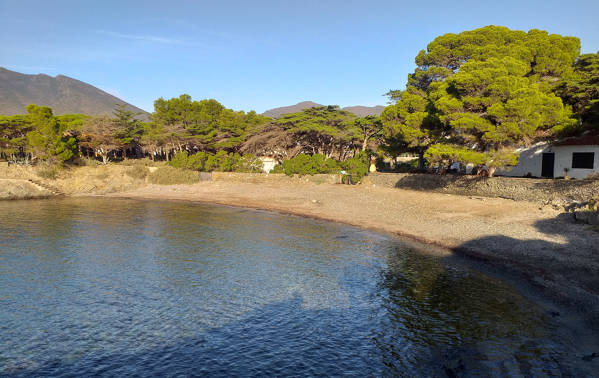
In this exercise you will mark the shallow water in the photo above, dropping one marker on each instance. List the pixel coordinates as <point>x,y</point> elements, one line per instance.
<point>123,287</point>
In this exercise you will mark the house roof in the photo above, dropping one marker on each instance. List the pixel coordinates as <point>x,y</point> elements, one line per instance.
<point>586,139</point>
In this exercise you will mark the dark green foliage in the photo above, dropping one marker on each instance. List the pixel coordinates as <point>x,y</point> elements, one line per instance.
<point>206,124</point>
<point>406,167</point>
<point>304,164</point>
<point>325,130</point>
<point>72,122</point>
<point>128,129</point>
<point>13,135</point>
<point>488,90</point>
<point>367,128</point>
<point>357,167</point>
<point>581,91</point>
<point>221,162</point>
<point>49,140</point>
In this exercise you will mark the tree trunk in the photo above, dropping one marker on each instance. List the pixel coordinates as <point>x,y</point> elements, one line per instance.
<point>491,171</point>
<point>364,144</point>
<point>421,160</point>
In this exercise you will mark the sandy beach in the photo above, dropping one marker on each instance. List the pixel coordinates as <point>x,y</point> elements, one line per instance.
<point>526,240</point>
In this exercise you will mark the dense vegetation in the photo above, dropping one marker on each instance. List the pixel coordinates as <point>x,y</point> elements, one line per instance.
<point>355,167</point>
<point>478,95</point>
<point>581,90</point>
<point>220,162</point>
<point>475,97</point>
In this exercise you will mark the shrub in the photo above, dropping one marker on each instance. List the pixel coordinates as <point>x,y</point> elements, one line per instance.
<point>50,172</point>
<point>357,166</point>
<point>196,161</point>
<point>222,162</point>
<point>278,169</point>
<point>304,164</point>
<point>179,160</point>
<point>226,162</point>
<point>171,176</point>
<point>407,166</point>
<point>139,172</point>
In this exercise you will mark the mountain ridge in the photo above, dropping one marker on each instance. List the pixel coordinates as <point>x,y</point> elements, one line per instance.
<point>64,94</point>
<point>359,110</point>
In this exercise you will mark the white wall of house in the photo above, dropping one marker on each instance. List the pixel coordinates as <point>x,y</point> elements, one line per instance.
<point>563,159</point>
<point>531,161</point>
<point>268,164</point>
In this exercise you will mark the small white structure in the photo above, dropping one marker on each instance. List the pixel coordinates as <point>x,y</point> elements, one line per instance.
<point>579,155</point>
<point>268,163</point>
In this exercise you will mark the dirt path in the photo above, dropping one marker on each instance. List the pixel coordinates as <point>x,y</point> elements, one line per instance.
<point>536,243</point>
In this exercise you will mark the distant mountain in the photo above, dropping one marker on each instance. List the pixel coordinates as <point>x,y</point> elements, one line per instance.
<point>360,111</point>
<point>277,112</point>
<point>363,111</point>
<point>63,94</point>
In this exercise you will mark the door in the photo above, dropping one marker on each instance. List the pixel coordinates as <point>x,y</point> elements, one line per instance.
<point>547,166</point>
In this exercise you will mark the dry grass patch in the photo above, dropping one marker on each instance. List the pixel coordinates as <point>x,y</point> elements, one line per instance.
<point>138,172</point>
<point>172,176</point>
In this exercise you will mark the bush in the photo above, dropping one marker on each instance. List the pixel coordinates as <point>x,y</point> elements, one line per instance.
<point>49,172</point>
<point>222,162</point>
<point>172,176</point>
<point>407,166</point>
<point>278,169</point>
<point>304,164</point>
<point>310,165</point>
<point>139,172</point>
<point>196,161</point>
<point>179,160</point>
<point>357,166</point>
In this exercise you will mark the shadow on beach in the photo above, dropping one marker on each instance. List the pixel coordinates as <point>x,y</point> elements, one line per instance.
<point>566,271</point>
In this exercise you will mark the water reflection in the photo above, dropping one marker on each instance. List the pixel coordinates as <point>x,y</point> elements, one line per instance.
<point>117,287</point>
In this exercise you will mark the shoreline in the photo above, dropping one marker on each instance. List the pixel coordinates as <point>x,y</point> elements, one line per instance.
<point>519,241</point>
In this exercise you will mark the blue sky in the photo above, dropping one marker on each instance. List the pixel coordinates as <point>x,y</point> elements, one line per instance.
<point>256,54</point>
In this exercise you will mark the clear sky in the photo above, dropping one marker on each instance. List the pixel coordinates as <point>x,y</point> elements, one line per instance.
<point>257,54</point>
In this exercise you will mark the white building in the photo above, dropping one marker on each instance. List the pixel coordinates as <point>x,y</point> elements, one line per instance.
<point>579,155</point>
<point>268,163</point>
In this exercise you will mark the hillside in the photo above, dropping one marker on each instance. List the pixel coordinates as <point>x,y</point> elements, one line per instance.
<point>63,94</point>
<point>360,111</point>
<point>277,112</point>
<point>363,111</point>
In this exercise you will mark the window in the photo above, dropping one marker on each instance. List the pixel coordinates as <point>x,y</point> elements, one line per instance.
<point>583,160</point>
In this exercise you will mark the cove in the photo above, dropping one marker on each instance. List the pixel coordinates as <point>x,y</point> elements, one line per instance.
<point>115,287</point>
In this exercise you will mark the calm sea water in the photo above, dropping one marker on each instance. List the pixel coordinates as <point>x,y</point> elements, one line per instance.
<point>143,288</point>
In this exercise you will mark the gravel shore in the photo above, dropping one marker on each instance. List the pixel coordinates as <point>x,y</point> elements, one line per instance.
<point>523,239</point>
